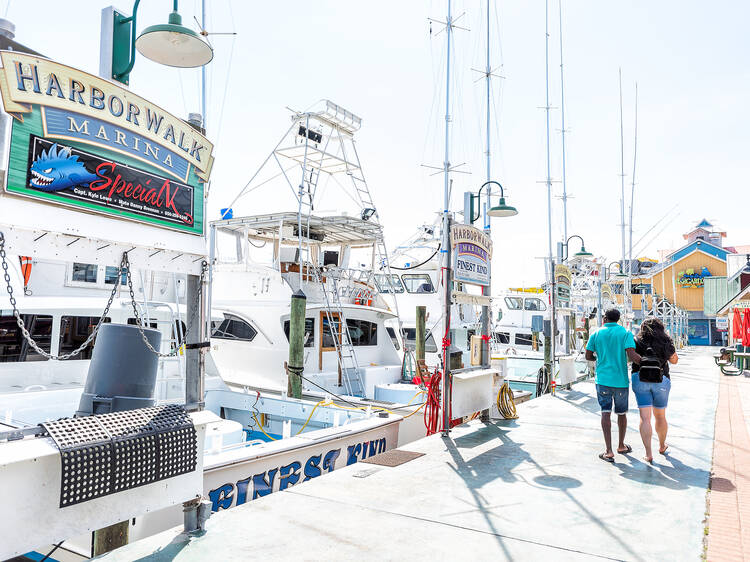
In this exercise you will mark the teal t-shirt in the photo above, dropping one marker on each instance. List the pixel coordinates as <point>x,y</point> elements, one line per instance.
<point>609,343</point>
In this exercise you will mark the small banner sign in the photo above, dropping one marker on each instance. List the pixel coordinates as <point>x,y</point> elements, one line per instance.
<point>472,252</point>
<point>81,141</point>
<point>563,281</point>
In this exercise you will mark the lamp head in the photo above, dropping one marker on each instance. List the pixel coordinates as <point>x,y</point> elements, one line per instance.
<point>173,44</point>
<point>583,253</point>
<point>502,210</point>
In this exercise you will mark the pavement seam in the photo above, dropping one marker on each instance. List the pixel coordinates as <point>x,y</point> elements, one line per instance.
<point>455,526</point>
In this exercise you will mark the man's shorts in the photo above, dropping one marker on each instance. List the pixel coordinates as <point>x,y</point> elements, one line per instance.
<point>609,394</point>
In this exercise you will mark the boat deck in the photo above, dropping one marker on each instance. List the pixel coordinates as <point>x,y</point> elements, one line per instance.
<point>527,489</point>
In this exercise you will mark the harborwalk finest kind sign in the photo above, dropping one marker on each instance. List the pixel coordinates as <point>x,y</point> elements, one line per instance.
<point>472,252</point>
<point>81,141</point>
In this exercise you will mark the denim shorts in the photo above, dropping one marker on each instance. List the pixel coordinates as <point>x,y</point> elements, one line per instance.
<point>654,394</point>
<point>608,394</point>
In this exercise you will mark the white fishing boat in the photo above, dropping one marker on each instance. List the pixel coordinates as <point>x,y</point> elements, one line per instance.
<point>255,443</point>
<point>414,281</point>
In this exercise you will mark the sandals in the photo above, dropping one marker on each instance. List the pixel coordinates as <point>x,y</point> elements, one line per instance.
<point>606,458</point>
<point>664,452</point>
<point>628,449</point>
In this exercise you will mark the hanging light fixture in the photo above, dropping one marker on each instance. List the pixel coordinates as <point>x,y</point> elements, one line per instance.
<point>173,44</point>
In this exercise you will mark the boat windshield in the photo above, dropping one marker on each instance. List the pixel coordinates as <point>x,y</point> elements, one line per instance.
<point>411,341</point>
<point>418,283</point>
<point>514,303</point>
<point>385,287</point>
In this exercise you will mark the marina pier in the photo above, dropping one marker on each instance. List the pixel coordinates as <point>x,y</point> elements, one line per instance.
<point>523,489</point>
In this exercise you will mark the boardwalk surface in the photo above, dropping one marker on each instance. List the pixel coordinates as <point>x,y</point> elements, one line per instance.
<point>529,489</point>
<point>729,499</point>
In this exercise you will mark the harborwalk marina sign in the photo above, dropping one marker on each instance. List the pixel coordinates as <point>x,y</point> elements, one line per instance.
<point>472,252</point>
<point>81,141</point>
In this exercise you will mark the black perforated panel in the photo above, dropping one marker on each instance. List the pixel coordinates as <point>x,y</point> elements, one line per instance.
<point>109,453</point>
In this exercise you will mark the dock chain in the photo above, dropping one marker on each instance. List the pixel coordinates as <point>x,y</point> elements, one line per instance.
<point>124,266</point>
<point>138,320</point>
<point>22,325</point>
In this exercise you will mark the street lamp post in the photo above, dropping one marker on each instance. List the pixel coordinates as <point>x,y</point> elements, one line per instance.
<point>500,210</point>
<point>582,253</point>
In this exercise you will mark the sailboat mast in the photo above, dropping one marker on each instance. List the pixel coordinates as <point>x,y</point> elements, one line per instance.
<point>562,116</point>
<point>445,249</point>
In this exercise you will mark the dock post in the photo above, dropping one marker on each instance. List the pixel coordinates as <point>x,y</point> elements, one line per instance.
<point>421,335</point>
<point>194,354</point>
<point>296,343</point>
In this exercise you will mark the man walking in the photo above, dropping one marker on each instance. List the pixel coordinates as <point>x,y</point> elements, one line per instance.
<point>612,346</point>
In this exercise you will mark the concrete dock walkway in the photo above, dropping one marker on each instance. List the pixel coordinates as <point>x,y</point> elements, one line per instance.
<point>528,489</point>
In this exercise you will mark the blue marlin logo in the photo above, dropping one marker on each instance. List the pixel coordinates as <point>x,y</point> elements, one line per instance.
<point>57,169</point>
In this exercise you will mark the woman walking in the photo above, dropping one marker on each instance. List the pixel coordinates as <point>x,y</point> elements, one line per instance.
<point>652,397</point>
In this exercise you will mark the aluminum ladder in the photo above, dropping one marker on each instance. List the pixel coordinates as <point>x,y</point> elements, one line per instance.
<point>347,357</point>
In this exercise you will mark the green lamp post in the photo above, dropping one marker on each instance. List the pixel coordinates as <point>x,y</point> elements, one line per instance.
<point>171,44</point>
<point>582,253</point>
<point>500,210</point>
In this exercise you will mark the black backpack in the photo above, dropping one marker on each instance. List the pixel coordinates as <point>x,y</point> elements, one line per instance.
<point>651,368</point>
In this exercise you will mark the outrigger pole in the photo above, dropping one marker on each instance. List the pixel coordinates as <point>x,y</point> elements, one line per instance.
<point>445,249</point>
<point>549,195</point>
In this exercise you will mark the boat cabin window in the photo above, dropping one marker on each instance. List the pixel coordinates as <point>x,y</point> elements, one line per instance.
<point>328,341</point>
<point>110,276</point>
<point>362,332</point>
<point>73,332</point>
<point>394,339</point>
<point>309,331</point>
<point>418,283</point>
<point>84,274</point>
<point>502,337</point>
<point>411,341</point>
<point>13,346</point>
<point>534,304</point>
<point>233,328</point>
<point>133,322</point>
<point>514,303</point>
<point>385,287</point>
<point>524,339</point>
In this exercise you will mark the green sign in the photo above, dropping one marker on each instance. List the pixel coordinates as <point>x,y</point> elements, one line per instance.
<point>80,141</point>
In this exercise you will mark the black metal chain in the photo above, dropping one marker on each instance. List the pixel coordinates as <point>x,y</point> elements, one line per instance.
<point>22,325</point>
<point>139,320</point>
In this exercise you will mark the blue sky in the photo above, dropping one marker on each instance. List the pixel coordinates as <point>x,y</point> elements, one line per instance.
<point>379,60</point>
